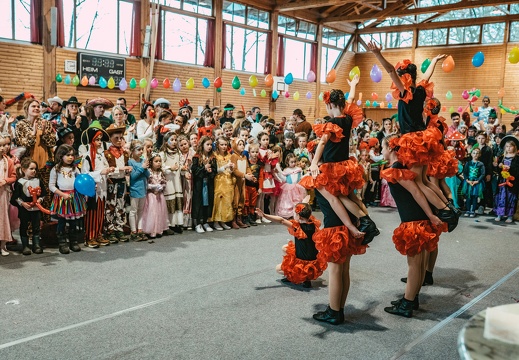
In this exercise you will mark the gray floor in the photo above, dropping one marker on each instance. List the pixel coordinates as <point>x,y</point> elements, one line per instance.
<point>217,296</point>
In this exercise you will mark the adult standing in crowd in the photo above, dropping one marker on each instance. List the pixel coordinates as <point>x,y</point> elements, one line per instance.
<point>301,124</point>
<point>56,107</point>
<point>160,105</point>
<point>130,119</point>
<point>146,126</point>
<point>100,105</point>
<point>74,120</point>
<point>227,114</point>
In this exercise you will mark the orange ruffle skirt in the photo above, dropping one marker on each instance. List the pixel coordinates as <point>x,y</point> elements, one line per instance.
<point>420,147</point>
<point>338,178</point>
<point>298,271</point>
<point>444,166</point>
<point>335,244</point>
<point>413,237</point>
<point>393,175</point>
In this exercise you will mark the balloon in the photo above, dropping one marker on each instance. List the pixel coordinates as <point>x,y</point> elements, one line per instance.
<point>236,83</point>
<point>296,95</point>
<point>143,83</point>
<point>332,75</point>
<point>346,96</point>
<point>254,92</point>
<point>368,103</point>
<point>477,93</point>
<point>206,83</point>
<point>513,56</point>
<point>133,83</point>
<point>263,93</point>
<point>253,81</point>
<point>425,65</point>
<point>374,95</point>
<point>91,80</point>
<point>154,83</point>
<point>219,89</point>
<point>59,78</point>
<point>269,80</point>
<point>451,109</point>
<point>448,64</point>
<point>375,73</point>
<point>389,97</point>
<point>190,84</point>
<point>501,92</point>
<point>123,85</point>
<point>473,99</point>
<point>321,95</point>
<point>67,80</point>
<point>503,111</point>
<point>354,71</point>
<point>444,108</point>
<point>381,104</point>
<point>177,85</point>
<point>85,185</point>
<point>375,104</point>
<point>218,82</point>
<point>166,84</point>
<point>309,95</point>
<point>287,94</point>
<point>478,59</point>
<point>360,96</point>
<point>242,92</point>
<point>84,81</point>
<point>465,94</point>
<point>102,82</point>
<point>310,77</point>
<point>359,102</point>
<point>389,106</point>
<point>289,79</point>
<point>448,96</point>
<point>460,109</point>
<point>75,80</point>
<point>275,95</point>
<point>111,83</point>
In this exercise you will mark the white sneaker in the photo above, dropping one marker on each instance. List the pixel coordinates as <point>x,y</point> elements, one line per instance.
<point>265,220</point>
<point>225,226</point>
<point>207,227</point>
<point>258,221</point>
<point>217,227</point>
<point>199,229</point>
<point>5,252</point>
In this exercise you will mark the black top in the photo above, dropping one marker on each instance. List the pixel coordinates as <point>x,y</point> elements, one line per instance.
<point>486,157</point>
<point>330,217</point>
<point>340,151</point>
<point>410,114</point>
<point>223,120</point>
<point>305,248</point>
<point>408,208</point>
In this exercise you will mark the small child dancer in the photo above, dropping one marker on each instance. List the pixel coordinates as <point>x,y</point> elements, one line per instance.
<point>266,179</point>
<point>301,262</point>
<point>138,189</point>
<point>241,173</point>
<point>223,188</point>
<point>291,192</point>
<point>155,218</point>
<point>508,165</point>
<point>186,158</point>
<point>173,192</point>
<point>67,204</point>
<point>28,212</point>
<point>474,175</point>
<point>252,186</point>
<point>204,170</point>
<point>301,150</point>
<point>366,168</point>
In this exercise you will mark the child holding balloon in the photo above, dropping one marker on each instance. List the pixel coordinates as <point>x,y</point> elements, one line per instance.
<point>68,204</point>
<point>418,144</point>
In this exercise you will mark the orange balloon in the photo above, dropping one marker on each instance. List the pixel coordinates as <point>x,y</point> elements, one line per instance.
<point>448,64</point>
<point>501,92</point>
<point>218,82</point>
<point>444,108</point>
<point>84,81</point>
<point>269,80</point>
<point>374,96</point>
<point>330,78</point>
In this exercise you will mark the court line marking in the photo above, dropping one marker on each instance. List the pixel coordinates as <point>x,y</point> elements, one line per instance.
<point>454,315</point>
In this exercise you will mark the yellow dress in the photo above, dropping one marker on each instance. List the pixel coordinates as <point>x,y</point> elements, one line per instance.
<point>223,191</point>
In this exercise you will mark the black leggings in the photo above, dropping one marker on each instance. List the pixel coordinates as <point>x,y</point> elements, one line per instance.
<point>75,225</point>
<point>29,217</point>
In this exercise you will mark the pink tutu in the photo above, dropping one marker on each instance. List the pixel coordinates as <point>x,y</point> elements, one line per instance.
<point>155,214</point>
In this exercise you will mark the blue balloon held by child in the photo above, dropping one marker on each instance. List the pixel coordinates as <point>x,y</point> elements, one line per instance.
<point>85,185</point>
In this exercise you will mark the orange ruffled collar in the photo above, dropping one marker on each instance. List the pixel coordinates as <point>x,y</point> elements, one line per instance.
<point>334,130</point>
<point>296,230</point>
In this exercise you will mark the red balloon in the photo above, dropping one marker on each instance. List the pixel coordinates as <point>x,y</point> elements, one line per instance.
<point>218,82</point>
<point>374,96</point>
<point>166,83</point>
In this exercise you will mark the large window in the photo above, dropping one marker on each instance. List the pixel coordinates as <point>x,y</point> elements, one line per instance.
<point>246,37</point>
<point>391,40</point>
<point>15,20</point>
<point>432,37</point>
<point>203,7</point>
<point>514,31</point>
<point>296,28</point>
<point>297,58</point>
<point>493,33</point>
<point>98,25</point>
<point>334,43</point>
<point>464,35</point>
<point>184,38</point>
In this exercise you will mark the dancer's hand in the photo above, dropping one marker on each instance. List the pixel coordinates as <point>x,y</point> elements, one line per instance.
<point>355,80</point>
<point>259,212</point>
<point>435,220</point>
<point>314,170</point>
<point>440,56</point>
<point>374,48</point>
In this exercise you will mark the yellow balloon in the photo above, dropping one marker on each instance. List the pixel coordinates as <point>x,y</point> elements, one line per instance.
<point>190,84</point>
<point>354,71</point>
<point>503,111</point>
<point>296,95</point>
<point>513,56</point>
<point>111,83</point>
<point>253,81</point>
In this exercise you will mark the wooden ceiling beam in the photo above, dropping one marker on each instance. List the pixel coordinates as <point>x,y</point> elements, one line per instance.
<point>307,4</point>
<point>363,17</point>
<point>365,4</point>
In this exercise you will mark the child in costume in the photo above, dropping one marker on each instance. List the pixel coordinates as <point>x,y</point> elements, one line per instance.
<point>206,124</point>
<point>241,173</point>
<point>419,231</point>
<point>173,192</point>
<point>96,165</point>
<point>473,184</point>
<point>138,189</point>
<point>508,165</point>
<point>266,179</point>
<point>223,187</point>
<point>204,170</point>
<point>301,262</point>
<point>186,158</point>
<point>301,150</point>
<point>252,186</point>
<point>418,143</point>
<point>67,203</point>
<point>7,177</point>
<point>155,213</point>
<point>291,192</point>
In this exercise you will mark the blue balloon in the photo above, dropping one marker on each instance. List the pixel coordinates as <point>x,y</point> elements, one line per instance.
<point>346,95</point>
<point>375,104</point>
<point>389,106</point>
<point>206,83</point>
<point>289,79</point>
<point>478,59</point>
<point>102,82</point>
<point>85,185</point>
<point>275,95</point>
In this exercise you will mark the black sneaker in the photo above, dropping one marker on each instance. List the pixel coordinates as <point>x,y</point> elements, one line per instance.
<point>330,316</point>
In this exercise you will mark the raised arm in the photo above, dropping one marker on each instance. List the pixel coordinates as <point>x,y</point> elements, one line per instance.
<point>353,84</point>
<point>430,69</point>
<point>375,49</point>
